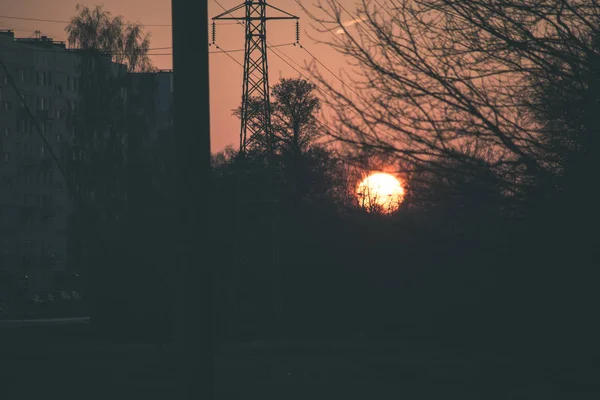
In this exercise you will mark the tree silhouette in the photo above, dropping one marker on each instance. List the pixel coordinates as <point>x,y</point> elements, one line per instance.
<point>437,75</point>
<point>124,42</point>
<point>491,109</point>
<point>295,128</point>
<point>293,112</point>
<point>101,157</point>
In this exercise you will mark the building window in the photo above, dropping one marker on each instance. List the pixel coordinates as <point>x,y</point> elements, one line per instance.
<point>6,132</point>
<point>5,80</point>
<point>22,75</point>
<point>58,138</point>
<point>42,103</point>
<point>7,106</point>
<point>43,150</point>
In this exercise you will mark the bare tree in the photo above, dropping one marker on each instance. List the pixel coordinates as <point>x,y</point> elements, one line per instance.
<point>108,48</point>
<point>97,30</point>
<point>449,79</point>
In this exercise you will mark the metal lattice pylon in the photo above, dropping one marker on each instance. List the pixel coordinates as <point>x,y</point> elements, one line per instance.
<point>256,105</point>
<point>255,128</point>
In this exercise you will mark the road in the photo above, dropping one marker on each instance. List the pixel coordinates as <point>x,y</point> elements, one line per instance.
<point>65,361</point>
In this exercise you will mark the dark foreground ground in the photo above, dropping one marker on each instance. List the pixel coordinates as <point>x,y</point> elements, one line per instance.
<point>66,362</point>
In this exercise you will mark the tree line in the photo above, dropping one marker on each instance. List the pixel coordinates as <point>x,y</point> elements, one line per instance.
<point>486,109</point>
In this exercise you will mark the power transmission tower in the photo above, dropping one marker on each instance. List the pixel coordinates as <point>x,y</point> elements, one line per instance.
<point>256,115</point>
<point>255,127</point>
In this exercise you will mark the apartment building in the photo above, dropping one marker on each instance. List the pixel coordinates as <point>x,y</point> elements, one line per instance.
<point>38,249</point>
<point>151,96</point>
<point>34,200</point>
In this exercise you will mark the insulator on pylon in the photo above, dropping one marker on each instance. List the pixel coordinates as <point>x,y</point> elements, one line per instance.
<point>297,32</point>
<point>214,32</point>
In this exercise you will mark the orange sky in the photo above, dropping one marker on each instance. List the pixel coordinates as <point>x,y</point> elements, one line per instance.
<point>226,75</point>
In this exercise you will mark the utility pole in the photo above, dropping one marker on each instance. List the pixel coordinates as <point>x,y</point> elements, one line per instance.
<point>255,126</point>
<point>192,178</point>
<point>256,71</point>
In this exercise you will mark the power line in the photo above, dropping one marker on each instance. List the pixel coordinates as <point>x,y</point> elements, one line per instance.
<point>274,51</point>
<point>74,51</point>
<point>67,50</point>
<point>270,46</point>
<point>316,19</point>
<point>332,73</point>
<point>319,61</point>
<point>385,9</point>
<point>37,127</point>
<point>68,22</point>
<point>228,55</point>
<point>319,88</point>
<point>224,9</point>
<point>70,51</point>
<point>240,50</point>
<point>13,26</point>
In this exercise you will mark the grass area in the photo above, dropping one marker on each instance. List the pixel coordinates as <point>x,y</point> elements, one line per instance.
<point>68,362</point>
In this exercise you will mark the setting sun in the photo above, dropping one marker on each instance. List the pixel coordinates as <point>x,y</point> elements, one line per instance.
<point>380,191</point>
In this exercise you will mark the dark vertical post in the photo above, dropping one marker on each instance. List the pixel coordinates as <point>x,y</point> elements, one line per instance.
<point>192,188</point>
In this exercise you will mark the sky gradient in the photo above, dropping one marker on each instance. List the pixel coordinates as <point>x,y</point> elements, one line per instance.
<point>225,74</point>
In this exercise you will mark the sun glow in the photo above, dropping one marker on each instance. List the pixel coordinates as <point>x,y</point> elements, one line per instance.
<point>380,192</point>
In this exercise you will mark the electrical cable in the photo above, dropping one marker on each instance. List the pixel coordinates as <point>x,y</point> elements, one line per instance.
<point>68,22</point>
<point>37,127</point>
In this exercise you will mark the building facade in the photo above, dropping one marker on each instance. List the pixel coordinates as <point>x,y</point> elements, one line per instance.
<point>150,96</point>
<point>39,250</point>
<point>34,200</point>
